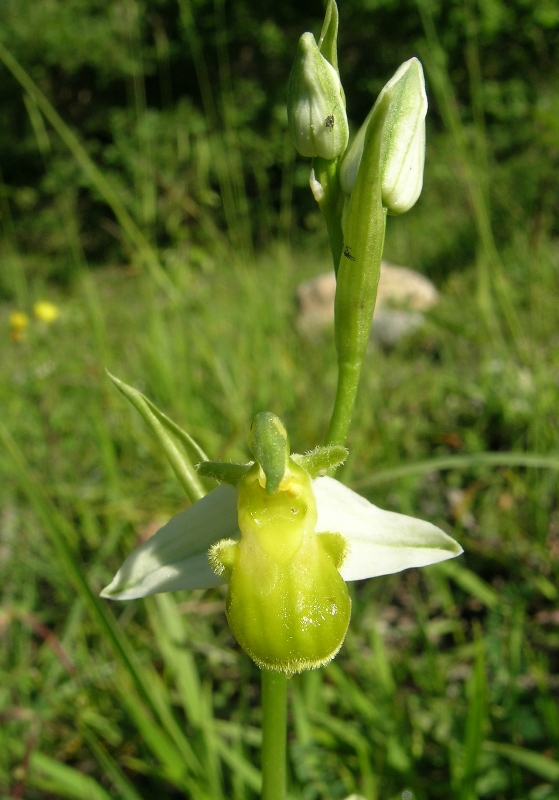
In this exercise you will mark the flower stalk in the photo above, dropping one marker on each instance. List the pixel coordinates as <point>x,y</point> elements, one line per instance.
<point>325,185</point>
<point>344,403</point>
<point>274,734</point>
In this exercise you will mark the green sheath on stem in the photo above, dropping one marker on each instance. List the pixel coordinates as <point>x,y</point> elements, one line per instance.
<point>358,276</point>
<point>274,734</point>
<point>331,202</point>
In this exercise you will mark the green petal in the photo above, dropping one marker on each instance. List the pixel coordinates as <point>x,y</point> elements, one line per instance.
<point>321,459</point>
<point>223,472</point>
<point>177,556</point>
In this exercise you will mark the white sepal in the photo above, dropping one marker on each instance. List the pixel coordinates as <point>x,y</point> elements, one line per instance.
<point>176,557</point>
<point>403,140</point>
<point>379,542</point>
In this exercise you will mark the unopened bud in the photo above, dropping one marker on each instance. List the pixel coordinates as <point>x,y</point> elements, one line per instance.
<point>403,140</point>
<point>315,106</point>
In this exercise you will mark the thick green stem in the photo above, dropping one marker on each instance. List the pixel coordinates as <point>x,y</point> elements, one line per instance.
<point>331,204</point>
<point>346,392</point>
<point>274,734</point>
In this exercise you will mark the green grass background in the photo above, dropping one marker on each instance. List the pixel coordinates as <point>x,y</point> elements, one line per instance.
<point>172,238</point>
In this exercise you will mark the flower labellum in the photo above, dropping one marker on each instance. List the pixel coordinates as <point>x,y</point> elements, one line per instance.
<point>286,540</point>
<point>403,140</point>
<point>315,105</point>
<point>287,604</point>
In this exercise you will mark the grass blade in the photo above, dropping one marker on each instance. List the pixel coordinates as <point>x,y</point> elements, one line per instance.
<point>246,772</point>
<point>62,780</point>
<point>532,460</point>
<point>123,786</point>
<point>146,682</point>
<point>169,630</point>
<point>540,765</point>
<point>92,172</point>
<point>157,740</point>
<point>470,583</point>
<point>475,723</point>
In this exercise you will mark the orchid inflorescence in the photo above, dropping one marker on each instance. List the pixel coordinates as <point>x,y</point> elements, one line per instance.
<point>279,529</point>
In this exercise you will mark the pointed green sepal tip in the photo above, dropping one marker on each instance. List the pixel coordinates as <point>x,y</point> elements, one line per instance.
<point>315,104</point>
<point>403,139</point>
<point>222,471</point>
<point>176,443</point>
<point>269,445</point>
<point>321,459</point>
<point>328,40</point>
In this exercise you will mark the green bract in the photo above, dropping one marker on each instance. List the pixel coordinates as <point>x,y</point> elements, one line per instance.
<point>403,139</point>
<point>359,266</point>
<point>285,553</point>
<point>315,105</point>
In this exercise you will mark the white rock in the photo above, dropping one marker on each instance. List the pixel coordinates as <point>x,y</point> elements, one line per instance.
<point>407,290</point>
<point>315,298</point>
<point>404,287</point>
<point>390,325</point>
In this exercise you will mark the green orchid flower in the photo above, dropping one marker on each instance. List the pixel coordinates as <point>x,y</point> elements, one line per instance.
<point>286,538</point>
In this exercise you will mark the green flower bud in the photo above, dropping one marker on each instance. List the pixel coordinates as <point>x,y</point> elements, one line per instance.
<point>315,105</point>
<point>287,604</point>
<point>403,140</point>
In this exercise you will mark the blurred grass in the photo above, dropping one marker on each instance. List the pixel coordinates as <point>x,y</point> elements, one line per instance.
<point>448,681</point>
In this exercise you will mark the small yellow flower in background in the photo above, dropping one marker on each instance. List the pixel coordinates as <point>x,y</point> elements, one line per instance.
<point>45,311</point>
<point>18,323</point>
